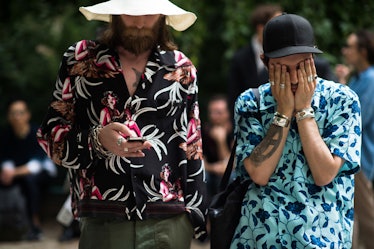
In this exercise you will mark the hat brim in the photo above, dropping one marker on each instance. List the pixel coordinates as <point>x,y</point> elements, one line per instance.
<point>292,50</point>
<point>176,17</point>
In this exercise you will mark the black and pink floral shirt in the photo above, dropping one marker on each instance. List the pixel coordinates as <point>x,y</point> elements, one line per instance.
<point>90,91</point>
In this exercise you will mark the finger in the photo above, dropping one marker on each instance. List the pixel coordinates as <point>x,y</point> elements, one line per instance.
<point>134,146</point>
<point>120,140</point>
<point>133,154</point>
<point>283,78</point>
<point>308,68</point>
<point>288,81</point>
<point>132,149</point>
<point>271,74</point>
<point>303,70</point>
<point>122,129</point>
<point>313,70</point>
<point>277,77</point>
<point>115,126</point>
<point>128,150</point>
<point>311,76</point>
<point>302,80</point>
<point>302,75</point>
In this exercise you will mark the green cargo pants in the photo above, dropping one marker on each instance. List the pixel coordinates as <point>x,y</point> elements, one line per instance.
<point>100,233</point>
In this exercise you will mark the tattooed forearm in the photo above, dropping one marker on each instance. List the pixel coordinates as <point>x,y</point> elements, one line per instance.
<point>268,146</point>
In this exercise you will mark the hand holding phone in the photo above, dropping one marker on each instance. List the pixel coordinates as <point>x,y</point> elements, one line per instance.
<point>136,139</point>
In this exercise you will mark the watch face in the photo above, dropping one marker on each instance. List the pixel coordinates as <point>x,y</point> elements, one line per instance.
<point>282,122</point>
<point>305,113</point>
<point>301,114</point>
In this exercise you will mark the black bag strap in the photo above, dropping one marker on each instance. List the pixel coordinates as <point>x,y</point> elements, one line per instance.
<point>226,176</point>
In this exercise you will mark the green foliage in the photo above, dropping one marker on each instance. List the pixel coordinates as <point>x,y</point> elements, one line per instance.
<point>35,33</point>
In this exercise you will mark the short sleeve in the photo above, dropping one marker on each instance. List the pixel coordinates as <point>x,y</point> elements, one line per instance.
<point>248,128</point>
<point>342,133</point>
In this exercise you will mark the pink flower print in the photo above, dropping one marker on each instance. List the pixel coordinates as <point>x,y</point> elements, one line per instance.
<point>107,61</point>
<point>81,50</point>
<point>66,90</point>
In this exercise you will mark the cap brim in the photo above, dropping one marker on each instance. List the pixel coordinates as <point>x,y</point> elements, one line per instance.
<point>292,50</point>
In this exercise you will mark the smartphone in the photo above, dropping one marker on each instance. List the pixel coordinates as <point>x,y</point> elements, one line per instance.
<point>136,139</point>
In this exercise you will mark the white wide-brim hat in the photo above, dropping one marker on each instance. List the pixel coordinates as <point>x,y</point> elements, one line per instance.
<point>176,17</point>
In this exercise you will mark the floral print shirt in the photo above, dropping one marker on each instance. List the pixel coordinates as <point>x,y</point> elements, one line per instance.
<point>291,211</point>
<point>90,91</point>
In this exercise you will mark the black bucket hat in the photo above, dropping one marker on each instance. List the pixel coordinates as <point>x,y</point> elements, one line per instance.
<point>288,34</point>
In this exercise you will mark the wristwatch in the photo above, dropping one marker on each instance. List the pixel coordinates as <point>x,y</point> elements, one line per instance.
<point>280,121</point>
<point>305,113</point>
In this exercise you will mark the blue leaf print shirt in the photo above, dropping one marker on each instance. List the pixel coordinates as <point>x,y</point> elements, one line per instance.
<point>291,211</point>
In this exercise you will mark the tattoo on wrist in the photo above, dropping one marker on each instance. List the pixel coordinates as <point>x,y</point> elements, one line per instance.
<point>268,146</point>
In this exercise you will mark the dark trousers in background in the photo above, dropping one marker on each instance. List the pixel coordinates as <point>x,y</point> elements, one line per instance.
<point>33,188</point>
<point>363,231</point>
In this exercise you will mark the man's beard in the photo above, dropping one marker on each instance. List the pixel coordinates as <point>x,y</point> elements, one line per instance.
<point>137,40</point>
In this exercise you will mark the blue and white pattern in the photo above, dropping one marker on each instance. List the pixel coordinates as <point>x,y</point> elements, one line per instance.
<point>291,211</point>
<point>362,84</point>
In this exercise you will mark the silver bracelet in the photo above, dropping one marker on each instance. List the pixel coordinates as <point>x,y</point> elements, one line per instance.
<point>281,115</point>
<point>305,113</point>
<point>96,145</point>
<point>280,120</point>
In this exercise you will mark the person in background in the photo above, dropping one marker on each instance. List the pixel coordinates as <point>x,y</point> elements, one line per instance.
<point>116,175</point>
<point>358,54</point>
<point>23,162</point>
<point>65,217</point>
<point>342,73</point>
<point>304,151</point>
<point>217,141</point>
<point>246,68</point>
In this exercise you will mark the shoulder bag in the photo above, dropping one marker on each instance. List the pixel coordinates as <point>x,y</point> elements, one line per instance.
<point>225,208</point>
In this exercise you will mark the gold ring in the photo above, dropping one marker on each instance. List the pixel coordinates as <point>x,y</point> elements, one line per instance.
<point>126,149</point>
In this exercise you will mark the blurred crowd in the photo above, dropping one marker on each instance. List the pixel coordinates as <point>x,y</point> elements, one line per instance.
<point>26,173</point>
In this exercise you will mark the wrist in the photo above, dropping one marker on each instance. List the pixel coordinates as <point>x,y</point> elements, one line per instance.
<point>304,114</point>
<point>34,166</point>
<point>280,120</point>
<point>8,165</point>
<point>96,144</point>
<point>285,113</point>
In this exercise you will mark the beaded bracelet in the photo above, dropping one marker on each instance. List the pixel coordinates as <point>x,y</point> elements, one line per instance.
<point>97,146</point>
<point>305,113</point>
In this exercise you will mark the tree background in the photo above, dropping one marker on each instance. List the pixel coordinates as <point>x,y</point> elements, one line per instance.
<point>35,33</point>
